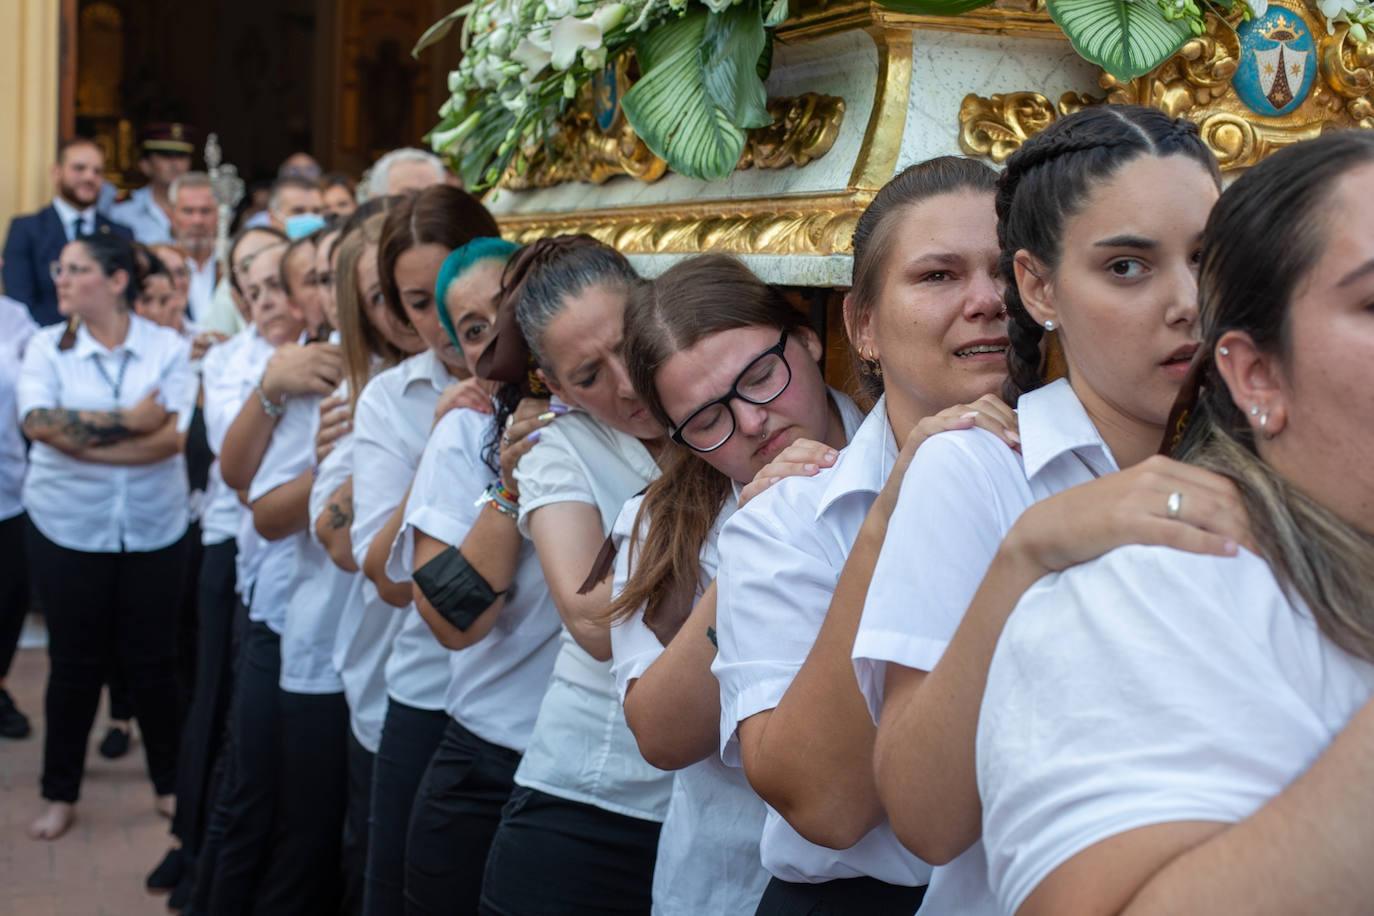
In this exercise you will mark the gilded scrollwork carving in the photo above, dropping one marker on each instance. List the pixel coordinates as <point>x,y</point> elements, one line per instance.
<point>1199,84</point>
<point>997,126</point>
<point>821,226</point>
<point>804,129</point>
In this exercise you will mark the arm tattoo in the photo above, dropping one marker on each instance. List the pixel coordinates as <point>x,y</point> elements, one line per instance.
<point>81,429</point>
<point>340,513</point>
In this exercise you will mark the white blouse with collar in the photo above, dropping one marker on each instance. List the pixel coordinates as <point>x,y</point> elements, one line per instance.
<point>88,505</point>
<point>960,496</point>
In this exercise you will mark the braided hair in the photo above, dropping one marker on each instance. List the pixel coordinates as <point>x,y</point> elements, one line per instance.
<point>1046,182</point>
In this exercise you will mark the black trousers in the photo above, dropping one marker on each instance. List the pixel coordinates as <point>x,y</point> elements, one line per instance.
<point>841,897</point>
<point>14,589</point>
<point>556,857</point>
<point>353,854</point>
<point>303,871</point>
<point>246,805</point>
<point>204,727</point>
<point>457,810</point>
<point>409,737</point>
<point>99,607</point>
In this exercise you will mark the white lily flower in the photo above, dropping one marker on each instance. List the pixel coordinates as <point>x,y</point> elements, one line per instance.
<point>569,36</point>
<point>608,17</point>
<point>530,56</point>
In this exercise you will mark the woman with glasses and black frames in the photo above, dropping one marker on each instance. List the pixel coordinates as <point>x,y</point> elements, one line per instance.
<point>729,366</point>
<point>106,400</point>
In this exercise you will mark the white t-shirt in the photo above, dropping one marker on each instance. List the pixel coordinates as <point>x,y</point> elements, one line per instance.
<point>229,373</point>
<point>16,327</point>
<point>1146,687</point>
<point>708,850</point>
<point>961,494</point>
<point>391,424</point>
<point>781,557</point>
<point>581,748</point>
<point>495,685</point>
<point>284,571</point>
<point>87,505</point>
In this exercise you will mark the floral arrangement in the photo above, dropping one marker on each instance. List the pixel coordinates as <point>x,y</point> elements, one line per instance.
<point>701,66</point>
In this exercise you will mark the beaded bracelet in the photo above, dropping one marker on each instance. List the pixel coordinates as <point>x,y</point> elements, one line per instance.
<point>499,499</point>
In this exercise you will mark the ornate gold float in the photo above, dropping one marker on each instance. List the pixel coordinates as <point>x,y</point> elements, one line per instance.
<point>907,87</point>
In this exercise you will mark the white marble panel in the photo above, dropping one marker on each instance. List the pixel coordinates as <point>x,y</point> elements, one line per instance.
<point>946,66</point>
<point>787,269</point>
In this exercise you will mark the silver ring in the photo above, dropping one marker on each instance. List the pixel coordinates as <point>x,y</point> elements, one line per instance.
<point>505,439</point>
<point>1175,504</point>
<point>510,418</point>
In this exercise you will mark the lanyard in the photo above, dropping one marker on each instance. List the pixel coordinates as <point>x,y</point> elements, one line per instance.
<point>116,384</point>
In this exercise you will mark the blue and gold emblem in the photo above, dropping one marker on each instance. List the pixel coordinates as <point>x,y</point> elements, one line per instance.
<point>1278,62</point>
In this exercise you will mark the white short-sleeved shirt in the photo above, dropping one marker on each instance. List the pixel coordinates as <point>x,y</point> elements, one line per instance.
<point>781,557</point>
<point>284,571</point>
<point>581,748</point>
<point>495,685</point>
<point>708,850</point>
<point>106,508</point>
<point>1146,687</point>
<point>229,377</point>
<point>141,213</point>
<point>367,625</point>
<point>224,387</point>
<point>16,328</point>
<point>961,494</point>
<point>391,424</point>
<point>318,592</point>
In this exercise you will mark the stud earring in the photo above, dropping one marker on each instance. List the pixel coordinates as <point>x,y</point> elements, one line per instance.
<point>1050,325</point>
<point>1224,351</point>
<point>1264,419</point>
<point>1254,410</point>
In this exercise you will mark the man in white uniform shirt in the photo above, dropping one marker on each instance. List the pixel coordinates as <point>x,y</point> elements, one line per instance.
<point>166,156</point>
<point>193,229</point>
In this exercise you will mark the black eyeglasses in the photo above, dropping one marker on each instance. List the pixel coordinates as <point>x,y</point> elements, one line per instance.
<point>763,380</point>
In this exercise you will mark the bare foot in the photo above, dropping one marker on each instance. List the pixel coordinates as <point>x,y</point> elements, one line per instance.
<point>166,805</point>
<point>53,822</point>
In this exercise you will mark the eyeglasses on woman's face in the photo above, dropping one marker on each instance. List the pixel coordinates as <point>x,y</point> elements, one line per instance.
<point>763,380</point>
<point>56,269</point>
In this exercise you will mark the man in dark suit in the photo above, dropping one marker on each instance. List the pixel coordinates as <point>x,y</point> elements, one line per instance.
<point>36,241</point>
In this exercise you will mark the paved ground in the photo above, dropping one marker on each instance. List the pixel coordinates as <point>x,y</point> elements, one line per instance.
<point>98,867</point>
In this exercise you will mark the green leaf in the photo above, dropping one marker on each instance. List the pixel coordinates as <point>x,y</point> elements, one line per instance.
<point>669,107</point>
<point>440,29</point>
<point>933,7</point>
<point>731,48</point>
<point>1127,38</point>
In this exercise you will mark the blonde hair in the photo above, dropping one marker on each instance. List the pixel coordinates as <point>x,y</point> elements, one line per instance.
<point>1264,237</point>
<point>362,341</point>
